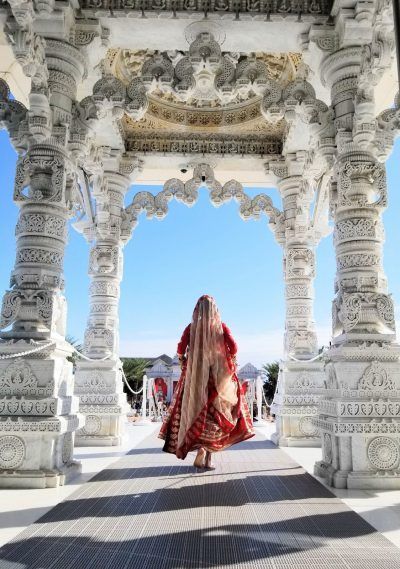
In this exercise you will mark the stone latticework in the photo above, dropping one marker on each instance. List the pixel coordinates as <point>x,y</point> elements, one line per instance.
<point>294,95</point>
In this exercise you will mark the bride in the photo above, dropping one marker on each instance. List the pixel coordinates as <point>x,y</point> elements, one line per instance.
<point>208,412</point>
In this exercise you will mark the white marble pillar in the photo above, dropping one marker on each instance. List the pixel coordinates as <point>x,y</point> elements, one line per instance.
<point>359,414</point>
<point>300,381</point>
<point>38,412</point>
<point>99,383</point>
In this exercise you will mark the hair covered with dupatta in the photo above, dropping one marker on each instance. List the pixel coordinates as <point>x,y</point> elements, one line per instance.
<point>207,361</point>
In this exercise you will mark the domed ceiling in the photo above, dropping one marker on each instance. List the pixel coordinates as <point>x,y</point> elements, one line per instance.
<point>203,94</point>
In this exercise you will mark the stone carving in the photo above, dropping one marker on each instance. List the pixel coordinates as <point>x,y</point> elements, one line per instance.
<point>354,309</point>
<point>16,406</point>
<point>328,456</point>
<point>199,144</point>
<point>67,448</point>
<point>40,177</point>
<point>92,425</point>
<point>45,307</point>
<point>355,229</point>
<point>350,311</point>
<point>299,310</point>
<point>36,255</point>
<point>224,97</point>
<point>252,8</point>
<point>300,341</point>
<point>18,425</point>
<point>348,261</point>
<point>369,172</point>
<point>377,409</point>
<point>307,428</point>
<point>376,378</point>
<point>103,288</point>
<point>304,381</point>
<point>33,398</point>
<point>47,225</point>
<point>12,452</point>
<point>109,92</point>
<point>383,453</point>
<point>12,117</point>
<point>98,336</point>
<point>10,308</point>
<point>202,76</point>
<point>18,379</point>
<point>101,307</point>
<point>157,206</point>
<point>297,291</point>
<point>385,309</point>
<point>104,260</point>
<point>95,382</point>
<point>300,263</point>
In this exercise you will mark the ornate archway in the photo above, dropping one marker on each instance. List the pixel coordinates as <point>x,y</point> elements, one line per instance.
<point>115,97</point>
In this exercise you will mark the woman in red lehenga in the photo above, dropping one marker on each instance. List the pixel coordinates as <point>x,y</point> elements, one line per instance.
<point>208,412</point>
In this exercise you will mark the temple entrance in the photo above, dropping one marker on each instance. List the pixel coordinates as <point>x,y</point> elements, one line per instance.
<point>229,96</point>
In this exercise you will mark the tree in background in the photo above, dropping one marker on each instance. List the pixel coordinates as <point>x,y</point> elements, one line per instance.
<point>73,358</point>
<point>270,374</point>
<point>134,369</point>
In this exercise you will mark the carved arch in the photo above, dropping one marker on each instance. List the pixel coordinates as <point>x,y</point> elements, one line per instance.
<point>187,193</point>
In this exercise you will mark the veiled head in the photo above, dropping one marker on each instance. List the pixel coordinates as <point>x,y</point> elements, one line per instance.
<point>206,306</point>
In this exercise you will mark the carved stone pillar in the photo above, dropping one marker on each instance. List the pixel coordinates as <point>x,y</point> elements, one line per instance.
<point>38,412</point>
<point>99,383</point>
<point>300,381</point>
<point>359,414</point>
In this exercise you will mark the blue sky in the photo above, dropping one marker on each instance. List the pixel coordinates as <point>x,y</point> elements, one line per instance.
<point>170,263</point>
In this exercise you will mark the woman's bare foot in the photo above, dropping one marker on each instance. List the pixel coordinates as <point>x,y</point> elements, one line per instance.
<point>208,462</point>
<point>199,460</point>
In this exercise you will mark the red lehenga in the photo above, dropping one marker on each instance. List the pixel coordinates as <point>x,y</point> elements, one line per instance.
<point>212,428</point>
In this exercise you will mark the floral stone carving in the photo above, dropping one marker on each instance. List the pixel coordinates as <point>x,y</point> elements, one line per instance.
<point>12,452</point>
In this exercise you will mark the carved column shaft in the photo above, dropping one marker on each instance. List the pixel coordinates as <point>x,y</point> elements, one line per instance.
<point>299,274</point>
<point>105,270</point>
<point>39,415</point>
<point>99,383</point>
<point>359,196</point>
<point>296,397</point>
<point>34,305</point>
<point>359,433</point>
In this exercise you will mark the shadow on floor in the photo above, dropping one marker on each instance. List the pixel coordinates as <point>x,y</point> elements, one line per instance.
<point>327,540</point>
<point>261,489</point>
<point>184,471</point>
<point>254,445</point>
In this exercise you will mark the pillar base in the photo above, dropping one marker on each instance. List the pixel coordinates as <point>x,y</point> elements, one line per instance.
<point>39,478</point>
<point>98,441</point>
<point>38,417</point>
<point>101,429</point>
<point>310,442</point>
<point>102,402</point>
<point>295,404</point>
<point>334,478</point>
<point>362,480</point>
<point>359,417</point>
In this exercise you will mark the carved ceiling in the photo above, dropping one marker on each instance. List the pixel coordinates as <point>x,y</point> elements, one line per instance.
<point>233,112</point>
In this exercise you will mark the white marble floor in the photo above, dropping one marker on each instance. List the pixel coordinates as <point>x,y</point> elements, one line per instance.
<point>20,508</point>
<point>379,508</point>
